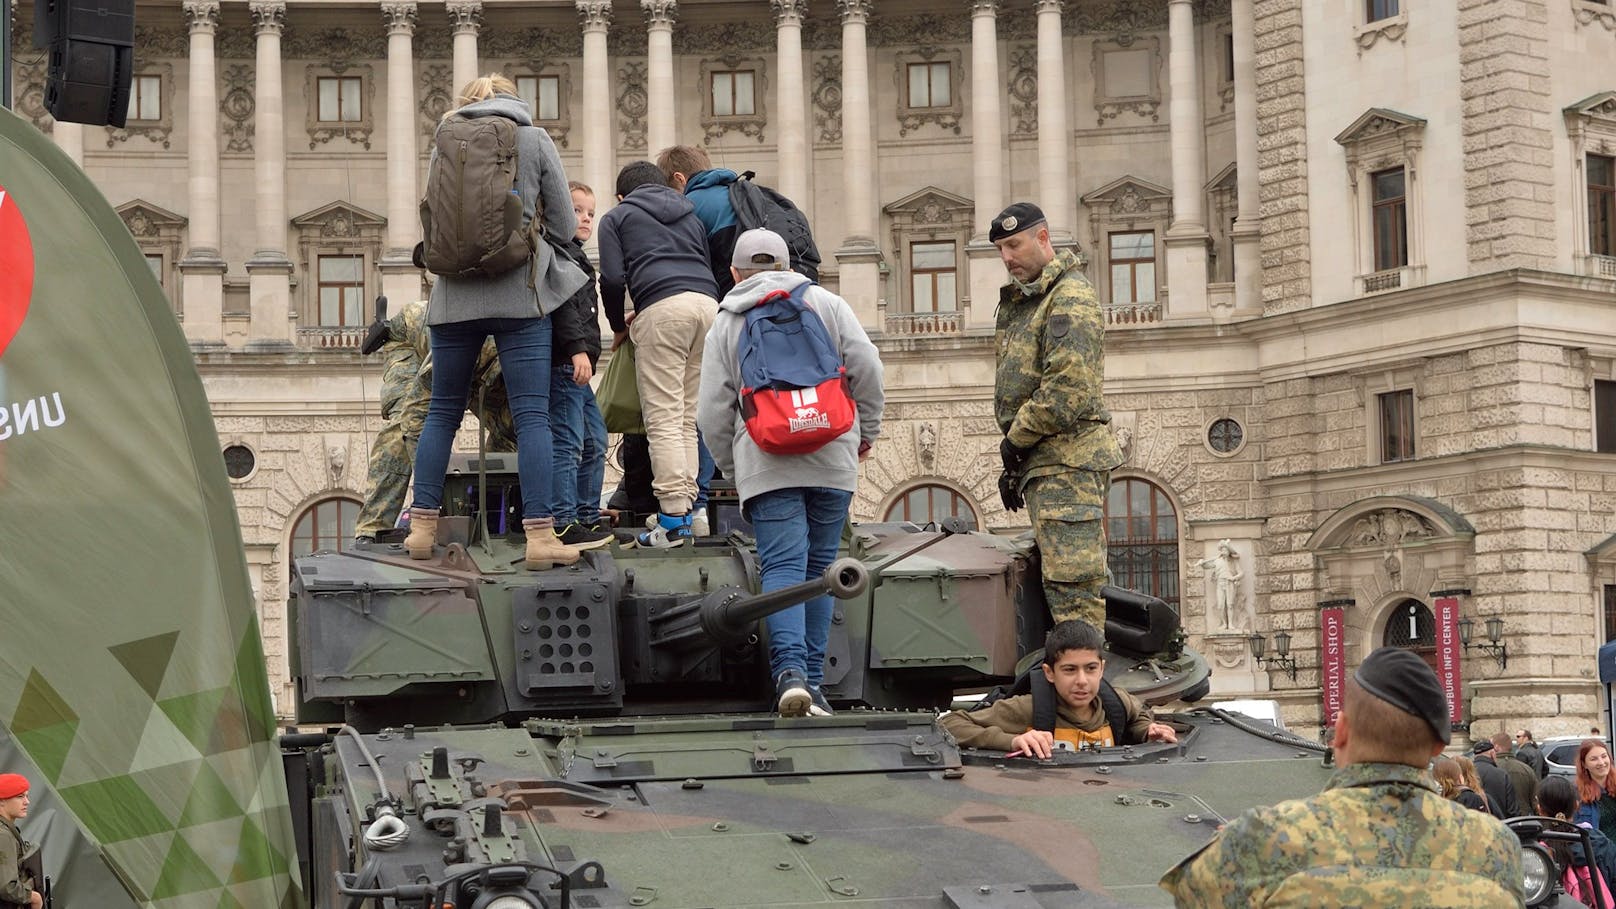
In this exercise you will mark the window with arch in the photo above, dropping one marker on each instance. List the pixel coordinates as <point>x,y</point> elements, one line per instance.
<point>931,502</point>
<point>1412,626</point>
<point>327,524</point>
<point>1141,528</point>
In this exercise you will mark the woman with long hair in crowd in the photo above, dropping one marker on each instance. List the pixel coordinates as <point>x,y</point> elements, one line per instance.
<point>1472,781</point>
<point>514,307</point>
<point>1596,787</point>
<point>1450,776</point>
<point>1557,798</point>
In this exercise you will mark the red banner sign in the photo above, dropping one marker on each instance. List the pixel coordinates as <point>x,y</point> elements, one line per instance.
<point>1333,660</point>
<point>1447,655</point>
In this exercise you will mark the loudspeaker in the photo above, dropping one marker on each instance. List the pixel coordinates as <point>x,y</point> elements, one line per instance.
<point>92,58</point>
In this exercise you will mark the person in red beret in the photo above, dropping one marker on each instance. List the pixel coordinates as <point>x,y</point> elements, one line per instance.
<point>16,885</point>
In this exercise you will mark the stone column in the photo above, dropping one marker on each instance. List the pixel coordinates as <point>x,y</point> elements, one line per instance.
<point>1247,233</point>
<point>660,131</point>
<point>401,280</point>
<point>599,149</point>
<point>202,267</point>
<point>70,139</point>
<point>269,271</point>
<point>791,115</point>
<point>986,272</point>
<point>1187,237</point>
<point>1054,138</point>
<point>858,259</point>
<point>465,19</point>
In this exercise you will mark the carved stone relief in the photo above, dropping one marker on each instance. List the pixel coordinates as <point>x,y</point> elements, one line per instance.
<point>433,42</point>
<point>30,93</point>
<point>337,47</point>
<point>236,108</point>
<point>161,41</point>
<point>1590,11</point>
<point>723,37</point>
<point>540,46</point>
<point>1388,527</point>
<point>827,97</point>
<point>924,29</point>
<point>632,104</point>
<point>1024,91</point>
<point>435,87</point>
<point>1123,20</point>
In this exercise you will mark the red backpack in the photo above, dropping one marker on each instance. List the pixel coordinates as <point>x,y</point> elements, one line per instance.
<point>795,397</point>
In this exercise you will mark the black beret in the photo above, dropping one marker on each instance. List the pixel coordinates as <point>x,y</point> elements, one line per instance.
<point>1015,219</point>
<point>1407,682</point>
<point>1482,747</point>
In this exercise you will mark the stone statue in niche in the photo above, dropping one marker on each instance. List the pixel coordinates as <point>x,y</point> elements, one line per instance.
<point>926,444</point>
<point>1224,575</point>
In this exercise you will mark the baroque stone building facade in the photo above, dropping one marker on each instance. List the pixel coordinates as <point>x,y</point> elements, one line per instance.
<point>1355,258</point>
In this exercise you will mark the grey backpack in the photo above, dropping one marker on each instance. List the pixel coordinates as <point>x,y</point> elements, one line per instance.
<point>471,215</point>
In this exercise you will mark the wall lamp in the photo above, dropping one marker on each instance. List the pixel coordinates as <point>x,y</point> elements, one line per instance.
<point>1494,644</point>
<point>1281,659</point>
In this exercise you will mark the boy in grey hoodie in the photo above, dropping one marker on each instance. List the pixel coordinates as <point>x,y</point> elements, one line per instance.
<point>797,504</point>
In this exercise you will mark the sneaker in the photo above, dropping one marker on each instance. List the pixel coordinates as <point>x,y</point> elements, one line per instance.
<point>580,537</point>
<point>670,531</point>
<point>819,706</point>
<point>699,527</point>
<point>792,697</point>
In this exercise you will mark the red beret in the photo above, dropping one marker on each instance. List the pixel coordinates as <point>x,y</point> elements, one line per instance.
<point>12,785</point>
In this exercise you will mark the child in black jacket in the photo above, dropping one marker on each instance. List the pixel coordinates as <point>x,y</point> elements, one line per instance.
<point>579,432</point>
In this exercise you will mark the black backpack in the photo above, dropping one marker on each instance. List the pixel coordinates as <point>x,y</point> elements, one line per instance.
<point>757,205</point>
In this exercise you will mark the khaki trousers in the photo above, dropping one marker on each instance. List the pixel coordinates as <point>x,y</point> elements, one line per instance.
<point>669,337</point>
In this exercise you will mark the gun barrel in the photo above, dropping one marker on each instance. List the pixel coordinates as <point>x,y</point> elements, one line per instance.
<point>730,617</point>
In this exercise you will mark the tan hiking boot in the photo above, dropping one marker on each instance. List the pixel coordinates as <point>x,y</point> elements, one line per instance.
<point>423,533</point>
<point>544,548</point>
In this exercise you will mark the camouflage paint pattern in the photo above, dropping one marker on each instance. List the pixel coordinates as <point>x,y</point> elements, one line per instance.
<point>1379,835</point>
<point>406,395</point>
<point>132,679</point>
<point>1049,396</point>
<point>1066,510</point>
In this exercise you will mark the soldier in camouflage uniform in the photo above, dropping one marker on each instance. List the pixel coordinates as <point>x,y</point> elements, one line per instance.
<point>406,393</point>
<point>1058,450</point>
<point>1380,834</point>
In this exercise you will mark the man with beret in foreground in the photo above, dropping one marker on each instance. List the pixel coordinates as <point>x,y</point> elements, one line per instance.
<point>1380,834</point>
<point>1058,450</point>
<point>16,885</point>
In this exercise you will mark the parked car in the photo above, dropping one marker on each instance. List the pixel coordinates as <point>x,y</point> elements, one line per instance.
<point>1560,753</point>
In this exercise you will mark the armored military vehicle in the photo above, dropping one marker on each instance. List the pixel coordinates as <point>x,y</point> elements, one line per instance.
<point>602,734</point>
<point>485,737</point>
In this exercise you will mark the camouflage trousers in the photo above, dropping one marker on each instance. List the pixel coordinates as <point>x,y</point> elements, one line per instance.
<point>392,456</point>
<point>1068,525</point>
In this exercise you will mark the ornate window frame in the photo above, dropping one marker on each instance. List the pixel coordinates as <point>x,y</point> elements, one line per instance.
<point>1128,204</point>
<point>1392,28</point>
<point>1587,12</point>
<point>561,127</point>
<point>161,129</point>
<point>1591,125</point>
<point>321,131</point>
<point>1379,140</point>
<point>1109,106</point>
<point>714,126</point>
<point>947,116</point>
<point>1370,386</point>
<point>928,215</point>
<point>334,229</point>
<point>158,231</point>
<point>1223,203</point>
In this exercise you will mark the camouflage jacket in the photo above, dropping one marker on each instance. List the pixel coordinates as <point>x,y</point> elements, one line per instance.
<point>1048,393</point>
<point>1378,835</point>
<point>15,884</point>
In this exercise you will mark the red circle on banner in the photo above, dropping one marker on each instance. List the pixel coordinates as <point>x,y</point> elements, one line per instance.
<point>16,269</point>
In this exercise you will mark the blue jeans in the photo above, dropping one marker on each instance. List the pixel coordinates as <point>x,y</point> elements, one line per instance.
<point>705,468</point>
<point>524,357</point>
<point>799,531</point>
<point>591,460</point>
<point>580,450</point>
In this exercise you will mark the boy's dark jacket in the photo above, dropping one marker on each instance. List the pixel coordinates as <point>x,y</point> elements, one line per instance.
<point>577,322</point>
<point>652,246</point>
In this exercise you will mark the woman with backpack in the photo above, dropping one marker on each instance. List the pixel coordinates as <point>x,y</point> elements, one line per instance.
<point>495,191</point>
<point>1557,798</point>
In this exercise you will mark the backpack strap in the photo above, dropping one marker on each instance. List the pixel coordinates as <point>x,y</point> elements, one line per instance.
<point>1116,713</point>
<point>1045,706</point>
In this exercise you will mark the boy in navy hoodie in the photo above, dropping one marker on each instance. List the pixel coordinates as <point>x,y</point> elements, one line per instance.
<point>654,248</point>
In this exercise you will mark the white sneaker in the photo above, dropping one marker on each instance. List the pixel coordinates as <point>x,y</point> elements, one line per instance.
<point>699,525</point>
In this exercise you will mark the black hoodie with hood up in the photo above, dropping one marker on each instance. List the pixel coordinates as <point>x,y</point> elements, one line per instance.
<point>652,245</point>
